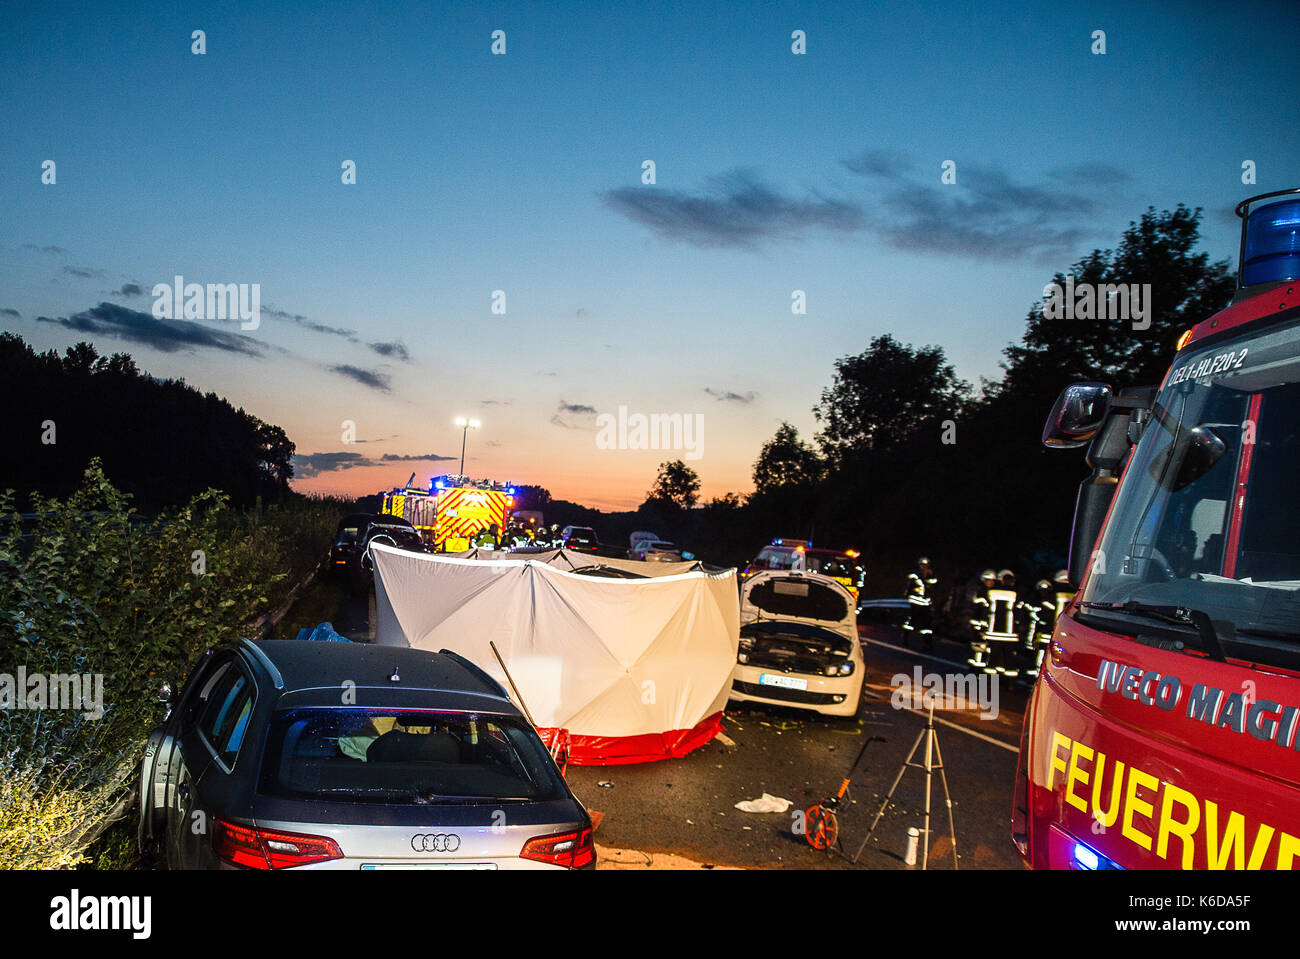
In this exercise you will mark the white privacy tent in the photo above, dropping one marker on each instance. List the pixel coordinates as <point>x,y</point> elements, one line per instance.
<point>636,669</point>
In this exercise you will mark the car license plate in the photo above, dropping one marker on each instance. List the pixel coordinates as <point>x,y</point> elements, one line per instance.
<point>786,682</point>
<point>428,865</point>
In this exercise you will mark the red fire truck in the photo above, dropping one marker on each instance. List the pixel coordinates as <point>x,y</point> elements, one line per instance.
<point>1163,732</point>
<point>453,511</point>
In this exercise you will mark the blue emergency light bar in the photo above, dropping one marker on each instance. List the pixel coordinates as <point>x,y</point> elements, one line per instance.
<point>1270,240</point>
<point>1083,856</point>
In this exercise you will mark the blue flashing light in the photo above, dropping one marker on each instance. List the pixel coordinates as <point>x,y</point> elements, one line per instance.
<point>511,491</point>
<point>1272,247</point>
<point>1084,857</point>
<point>439,485</point>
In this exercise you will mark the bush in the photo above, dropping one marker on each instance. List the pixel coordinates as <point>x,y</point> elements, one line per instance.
<point>88,587</point>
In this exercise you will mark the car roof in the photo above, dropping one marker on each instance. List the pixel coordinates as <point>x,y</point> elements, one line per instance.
<point>356,518</point>
<point>386,519</point>
<point>306,665</point>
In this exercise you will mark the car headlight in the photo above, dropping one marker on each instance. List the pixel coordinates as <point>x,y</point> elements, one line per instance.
<point>742,657</point>
<point>840,669</point>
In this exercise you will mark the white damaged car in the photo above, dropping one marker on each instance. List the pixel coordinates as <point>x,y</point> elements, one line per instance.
<point>799,643</point>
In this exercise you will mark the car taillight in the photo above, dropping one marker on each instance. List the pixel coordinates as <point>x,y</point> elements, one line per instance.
<point>267,849</point>
<point>573,850</point>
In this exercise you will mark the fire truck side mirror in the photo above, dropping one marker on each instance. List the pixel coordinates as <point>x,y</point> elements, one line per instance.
<point>1077,415</point>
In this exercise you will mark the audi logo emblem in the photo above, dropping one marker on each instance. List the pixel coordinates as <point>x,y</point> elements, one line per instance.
<point>435,842</point>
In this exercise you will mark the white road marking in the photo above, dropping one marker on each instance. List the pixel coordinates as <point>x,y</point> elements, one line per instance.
<point>919,712</point>
<point>961,729</point>
<point>912,652</point>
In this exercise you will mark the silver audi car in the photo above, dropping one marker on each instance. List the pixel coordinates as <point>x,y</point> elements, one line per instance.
<point>330,755</point>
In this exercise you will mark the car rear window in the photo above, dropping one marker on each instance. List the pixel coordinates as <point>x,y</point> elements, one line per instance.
<point>391,756</point>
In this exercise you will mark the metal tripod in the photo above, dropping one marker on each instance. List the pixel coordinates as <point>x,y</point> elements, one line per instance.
<point>933,761</point>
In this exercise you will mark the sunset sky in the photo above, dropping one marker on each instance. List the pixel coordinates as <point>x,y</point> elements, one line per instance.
<point>475,173</point>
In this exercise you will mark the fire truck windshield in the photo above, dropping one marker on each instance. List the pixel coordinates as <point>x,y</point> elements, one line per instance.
<point>1208,514</point>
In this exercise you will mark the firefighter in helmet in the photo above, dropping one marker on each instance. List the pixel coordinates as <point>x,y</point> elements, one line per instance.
<point>1041,610</point>
<point>920,596</point>
<point>981,616</point>
<point>998,635</point>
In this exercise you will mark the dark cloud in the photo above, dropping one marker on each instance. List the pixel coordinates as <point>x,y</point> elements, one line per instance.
<point>1091,174</point>
<point>371,378</point>
<point>312,464</point>
<point>167,336</point>
<point>308,324</point>
<point>84,272</point>
<point>14,313</point>
<point>726,396</point>
<point>44,249</point>
<point>413,457</point>
<point>877,162</point>
<point>1227,217</point>
<point>737,210</point>
<point>574,416</point>
<point>395,350</point>
<point>986,214</point>
<point>495,402</point>
<point>129,289</point>
<point>282,315</point>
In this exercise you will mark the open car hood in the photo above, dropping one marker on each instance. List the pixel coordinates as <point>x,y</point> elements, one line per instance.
<point>798,597</point>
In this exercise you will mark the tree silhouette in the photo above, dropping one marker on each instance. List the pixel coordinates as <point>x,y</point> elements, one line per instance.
<point>785,460</point>
<point>884,395</point>
<point>161,440</point>
<point>677,484</point>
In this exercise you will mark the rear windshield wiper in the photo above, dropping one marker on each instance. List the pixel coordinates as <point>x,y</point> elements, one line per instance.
<point>1177,616</point>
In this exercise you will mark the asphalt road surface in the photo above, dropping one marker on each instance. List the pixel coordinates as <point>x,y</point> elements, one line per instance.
<point>686,807</point>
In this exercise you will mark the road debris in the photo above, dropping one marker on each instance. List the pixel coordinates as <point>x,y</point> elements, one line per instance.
<point>766,803</point>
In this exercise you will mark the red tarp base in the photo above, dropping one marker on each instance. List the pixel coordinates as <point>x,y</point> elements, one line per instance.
<point>648,748</point>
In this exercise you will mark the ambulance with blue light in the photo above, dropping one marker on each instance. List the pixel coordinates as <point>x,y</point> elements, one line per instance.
<point>800,554</point>
<point>1164,731</point>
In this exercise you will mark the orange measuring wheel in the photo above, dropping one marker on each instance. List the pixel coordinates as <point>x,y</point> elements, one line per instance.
<point>820,827</point>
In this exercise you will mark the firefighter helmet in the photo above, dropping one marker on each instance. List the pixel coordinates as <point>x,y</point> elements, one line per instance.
<point>1062,576</point>
<point>988,574</point>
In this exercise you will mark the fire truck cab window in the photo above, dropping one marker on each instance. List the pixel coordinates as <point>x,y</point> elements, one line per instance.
<point>1207,517</point>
